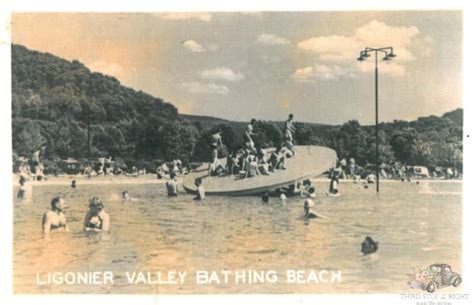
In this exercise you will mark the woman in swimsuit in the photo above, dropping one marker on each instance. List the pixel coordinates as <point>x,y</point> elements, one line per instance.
<point>96,218</point>
<point>55,218</point>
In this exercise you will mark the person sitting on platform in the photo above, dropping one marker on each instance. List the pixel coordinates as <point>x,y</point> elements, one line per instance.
<point>263,166</point>
<point>277,160</point>
<point>287,151</point>
<point>252,167</point>
<point>232,164</point>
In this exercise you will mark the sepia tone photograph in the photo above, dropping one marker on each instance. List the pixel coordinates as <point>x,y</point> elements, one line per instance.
<point>203,153</point>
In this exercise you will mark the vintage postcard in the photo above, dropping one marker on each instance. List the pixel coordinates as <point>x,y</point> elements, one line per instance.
<point>188,153</point>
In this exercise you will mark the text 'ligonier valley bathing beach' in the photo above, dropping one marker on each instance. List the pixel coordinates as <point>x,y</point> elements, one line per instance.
<point>200,277</point>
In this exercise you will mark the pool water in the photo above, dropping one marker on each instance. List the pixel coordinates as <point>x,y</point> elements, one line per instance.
<point>416,225</point>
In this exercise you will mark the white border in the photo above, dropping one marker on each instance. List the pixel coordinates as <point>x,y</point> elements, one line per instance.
<point>6,296</point>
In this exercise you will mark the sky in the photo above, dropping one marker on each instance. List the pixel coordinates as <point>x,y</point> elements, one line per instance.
<point>266,65</point>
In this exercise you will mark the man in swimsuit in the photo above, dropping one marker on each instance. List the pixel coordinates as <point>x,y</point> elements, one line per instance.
<point>55,219</point>
<point>248,135</point>
<point>289,129</point>
<point>96,218</point>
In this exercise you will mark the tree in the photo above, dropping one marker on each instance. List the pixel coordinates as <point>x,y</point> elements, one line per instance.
<point>27,136</point>
<point>303,134</point>
<point>386,155</point>
<point>267,134</point>
<point>403,144</point>
<point>178,140</point>
<point>350,141</point>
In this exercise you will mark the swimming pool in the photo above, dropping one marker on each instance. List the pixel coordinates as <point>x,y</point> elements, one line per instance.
<point>415,224</point>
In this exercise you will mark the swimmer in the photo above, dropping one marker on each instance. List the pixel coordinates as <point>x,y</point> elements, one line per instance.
<point>308,191</point>
<point>73,184</point>
<point>309,203</point>
<point>308,213</point>
<point>371,178</point>
<point>200,192</point>
<point>333,186</point>
<point>369,246</point>
<point>55,219</point>
<point>96,218</point>
<point>21,190</point>
<point>172,185</point>
<point>125,196</point>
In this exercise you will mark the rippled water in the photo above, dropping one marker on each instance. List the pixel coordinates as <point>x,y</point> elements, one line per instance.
<point>416,225</point>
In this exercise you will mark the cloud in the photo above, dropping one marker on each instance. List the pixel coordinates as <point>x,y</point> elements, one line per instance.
<point>343,50</point>
<point>322,72</point>
<point>388,68</point>
<point>206,88</point>
<point>222,73</point>
<point>109,68</point>
<point>206,17</point>
<point>271,39</point>
<point>193,46</point>
<point>328,72</point>
<point>213,47</point>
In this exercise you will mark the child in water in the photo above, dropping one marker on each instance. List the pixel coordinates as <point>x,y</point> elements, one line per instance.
<point>200,193</point>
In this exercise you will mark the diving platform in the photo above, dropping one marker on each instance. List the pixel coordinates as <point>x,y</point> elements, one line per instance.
<point>308,162</point>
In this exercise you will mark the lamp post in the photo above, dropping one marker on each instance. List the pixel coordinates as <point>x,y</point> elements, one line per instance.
<point>364,54</point>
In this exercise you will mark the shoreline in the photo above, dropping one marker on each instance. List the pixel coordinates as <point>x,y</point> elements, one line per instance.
<point>151,179</point>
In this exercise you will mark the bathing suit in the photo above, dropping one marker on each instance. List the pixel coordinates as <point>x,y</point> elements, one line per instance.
<point>95,222</point>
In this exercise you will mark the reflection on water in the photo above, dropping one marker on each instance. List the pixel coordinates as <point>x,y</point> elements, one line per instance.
<point>416,225</point>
